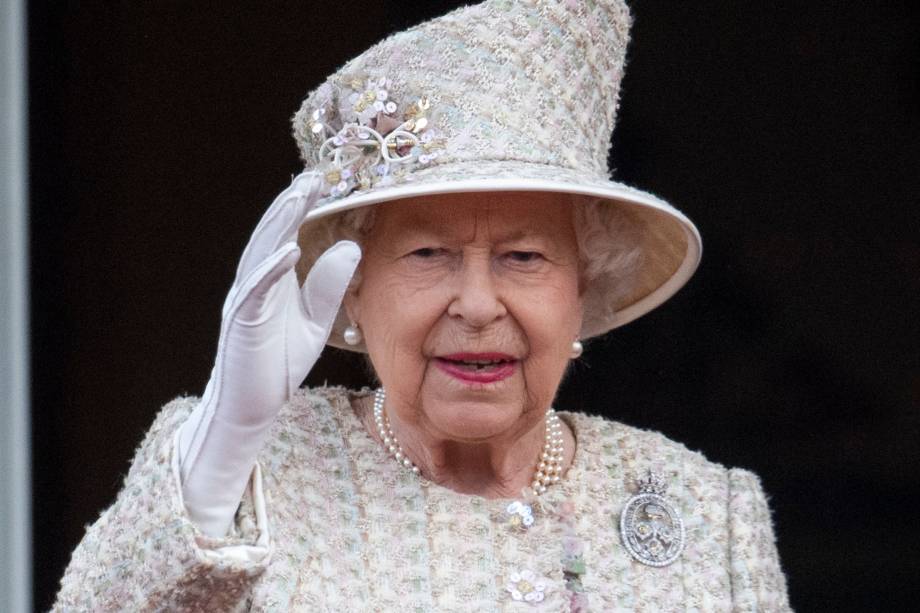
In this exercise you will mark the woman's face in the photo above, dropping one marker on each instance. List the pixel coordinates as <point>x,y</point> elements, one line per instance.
<point>469,304</point>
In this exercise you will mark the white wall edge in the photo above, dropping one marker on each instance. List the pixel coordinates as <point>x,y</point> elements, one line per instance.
<point>15,483</point>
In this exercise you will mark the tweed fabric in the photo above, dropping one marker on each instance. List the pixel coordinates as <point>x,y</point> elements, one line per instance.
<point>518,95</point>
<point>525,80</point>
<point>347,529</point>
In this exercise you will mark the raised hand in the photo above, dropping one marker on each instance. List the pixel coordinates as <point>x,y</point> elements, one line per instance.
<point>272,332</point>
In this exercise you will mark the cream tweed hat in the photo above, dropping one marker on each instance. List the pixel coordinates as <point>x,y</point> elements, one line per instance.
<point>506,95</point>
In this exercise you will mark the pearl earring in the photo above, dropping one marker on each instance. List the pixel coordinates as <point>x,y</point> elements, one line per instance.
<point>577,349</point>
<point>352,335</point>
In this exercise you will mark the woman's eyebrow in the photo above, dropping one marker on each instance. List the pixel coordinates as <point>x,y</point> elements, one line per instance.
<point>524,233</point>
<point>530,233</point>
<point>425,226</point>
<point>420,229</point>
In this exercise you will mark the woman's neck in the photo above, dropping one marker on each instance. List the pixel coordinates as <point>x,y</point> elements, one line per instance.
<point>494,469</point>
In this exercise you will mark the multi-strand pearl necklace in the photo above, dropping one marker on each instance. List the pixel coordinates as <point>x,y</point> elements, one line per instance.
<point>549,469</point>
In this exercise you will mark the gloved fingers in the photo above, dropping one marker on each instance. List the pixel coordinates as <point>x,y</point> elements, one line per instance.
<point>327,282</point>
<point>256,289</point>
<point>280,222</point>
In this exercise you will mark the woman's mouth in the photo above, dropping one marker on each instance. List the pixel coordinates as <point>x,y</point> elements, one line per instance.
<point>478,367</point>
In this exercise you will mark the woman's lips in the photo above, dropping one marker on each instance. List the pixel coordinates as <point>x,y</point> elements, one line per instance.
<point>478,367</point>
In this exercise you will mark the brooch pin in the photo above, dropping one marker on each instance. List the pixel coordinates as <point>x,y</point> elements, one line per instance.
<point>369,137</point>
<point>650,526</point>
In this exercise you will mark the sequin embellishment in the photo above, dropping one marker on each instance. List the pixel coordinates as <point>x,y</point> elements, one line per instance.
<point>364,137</point>
<point>519,514</point>
<point>526,586</point>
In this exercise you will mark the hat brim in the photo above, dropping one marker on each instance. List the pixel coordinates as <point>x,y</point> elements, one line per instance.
<point>669,243</point>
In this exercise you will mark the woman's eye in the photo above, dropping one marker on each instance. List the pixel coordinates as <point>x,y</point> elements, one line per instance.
<point>426,252</point>
<point>524,257</point>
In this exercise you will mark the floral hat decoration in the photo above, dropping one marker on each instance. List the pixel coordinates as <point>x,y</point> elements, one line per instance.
<point>505,95</point>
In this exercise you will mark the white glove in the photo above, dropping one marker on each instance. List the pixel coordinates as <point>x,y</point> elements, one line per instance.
<point>271,334</point>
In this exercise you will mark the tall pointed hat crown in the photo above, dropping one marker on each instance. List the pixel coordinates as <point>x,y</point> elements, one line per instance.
<point>506,95</point>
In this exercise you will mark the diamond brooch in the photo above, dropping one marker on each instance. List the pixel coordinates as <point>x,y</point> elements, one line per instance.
<point>650,525</point>
<point>366,138</point>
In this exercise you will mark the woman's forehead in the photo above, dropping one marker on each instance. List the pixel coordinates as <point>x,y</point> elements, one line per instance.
<point>505,214</point>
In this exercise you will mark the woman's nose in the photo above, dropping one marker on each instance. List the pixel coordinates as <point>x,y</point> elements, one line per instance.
<point>476,298</point>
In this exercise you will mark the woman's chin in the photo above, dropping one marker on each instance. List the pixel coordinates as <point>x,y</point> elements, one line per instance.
<point>472,426</point>
<point>475,410</point>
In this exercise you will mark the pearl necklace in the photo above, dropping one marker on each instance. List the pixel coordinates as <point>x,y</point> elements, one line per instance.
<point>549,469</point>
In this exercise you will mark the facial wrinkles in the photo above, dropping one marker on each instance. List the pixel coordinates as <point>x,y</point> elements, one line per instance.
<point>504,333</point>
<point>474,272</point>
<point>551,251</point>
<point>477,238</point>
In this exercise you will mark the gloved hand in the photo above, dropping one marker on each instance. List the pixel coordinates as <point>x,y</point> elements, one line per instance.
<point>271,334</point>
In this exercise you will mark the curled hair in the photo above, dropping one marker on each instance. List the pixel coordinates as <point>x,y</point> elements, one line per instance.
<point>351,225</point>
<point>608,250</point>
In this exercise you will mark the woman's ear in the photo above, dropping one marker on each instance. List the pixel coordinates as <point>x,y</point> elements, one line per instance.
<point>580,320</point>
<point>581,315</point>
<point>351,302</point>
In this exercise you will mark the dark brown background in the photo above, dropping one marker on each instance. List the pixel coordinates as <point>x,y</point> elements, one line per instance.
<point>787,130</point>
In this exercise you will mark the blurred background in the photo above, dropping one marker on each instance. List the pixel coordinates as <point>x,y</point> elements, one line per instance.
<point>788,131</point>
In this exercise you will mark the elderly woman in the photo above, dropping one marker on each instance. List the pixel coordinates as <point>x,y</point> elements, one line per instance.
<point>456,223</point>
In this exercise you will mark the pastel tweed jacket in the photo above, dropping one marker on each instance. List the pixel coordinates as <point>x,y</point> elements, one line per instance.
<point>331,523</point>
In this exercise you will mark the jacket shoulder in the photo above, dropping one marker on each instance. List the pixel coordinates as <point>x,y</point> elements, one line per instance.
<point>313,408</point>
<point>631,452</point>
